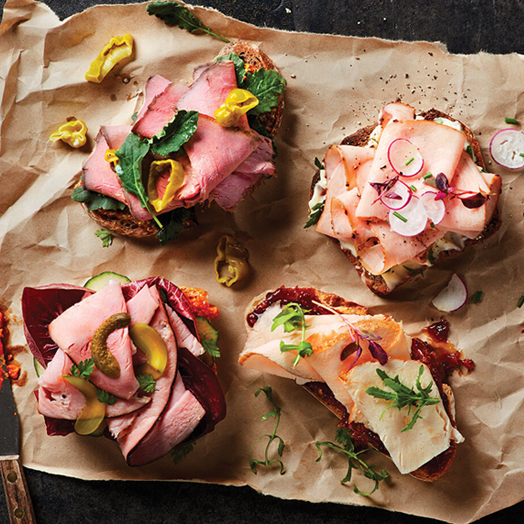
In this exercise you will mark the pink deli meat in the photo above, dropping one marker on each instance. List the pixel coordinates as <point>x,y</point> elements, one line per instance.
<point>155,86</point>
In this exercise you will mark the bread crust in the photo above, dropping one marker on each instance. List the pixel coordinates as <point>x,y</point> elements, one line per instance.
<point>375,282</point>
<point>430,471</point>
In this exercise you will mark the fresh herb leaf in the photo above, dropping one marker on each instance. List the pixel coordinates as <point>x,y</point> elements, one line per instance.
<point>412,271</point>
<point>399,216</point>
<point>256,125</point>
<point>509,120</point>
<point>403,396</point>
<point>182,451</point>
<point>210,347</point>
<point>267,86</point>
<point>316,213</point>
<point>319,164</point>
<point>469,151</point>
<point>94,200</point>
<point>83,369</point>
<point>240,67</point>
<point>105,236</point>
<point>520,302</point>
<point>105,397</point>
<point>253,463</point>
<point>343,436</point>
<point>431,257</point>
<point>174,225</point>
<point>147,383</point>
<point>477,296</point>
<point>133,116</point>
<point>174,14</point>
<point>175,134</point>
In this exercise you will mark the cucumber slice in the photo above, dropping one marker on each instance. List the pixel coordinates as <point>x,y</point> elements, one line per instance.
<point>208,336</point>
<point>38,367</point>
<point>99,281</point>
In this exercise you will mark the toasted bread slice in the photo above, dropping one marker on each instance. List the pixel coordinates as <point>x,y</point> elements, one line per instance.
<point>362,436</point>
<point>376,283</point>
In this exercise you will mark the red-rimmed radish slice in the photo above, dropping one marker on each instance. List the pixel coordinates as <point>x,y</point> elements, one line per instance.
<point>506,148</point>
<point>435,208</point>
<point>453,296</point>
<point>405,158</point>
<point>397,197</point>
<point>410,221</point>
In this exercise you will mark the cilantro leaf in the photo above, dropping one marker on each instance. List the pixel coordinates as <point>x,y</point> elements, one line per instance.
<point>316,213</point>
<point>105,236</point>
<point>181,451</point>
<point>83,369</point>
<point>267,86</point>
<point>173,225</point>
<point>105,397</point>
<point>343,437</point>
<point>175,133</point>
<point>147,383</point>
<point>174,14</point>
<point>94,200</point>
<point>240,68</point>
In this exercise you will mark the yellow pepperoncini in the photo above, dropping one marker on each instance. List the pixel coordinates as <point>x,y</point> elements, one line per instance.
<point>176,174</point>
<point>118,49</point>
<point>231,253</point>
<point>72,133</point>
<point>238,103</point>
<point>110,156</point>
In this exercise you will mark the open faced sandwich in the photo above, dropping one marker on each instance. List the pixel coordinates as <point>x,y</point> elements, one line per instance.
<point>390,390</point>
<point>188,146</point>
<point>403,194</point>
<point>125,359</point>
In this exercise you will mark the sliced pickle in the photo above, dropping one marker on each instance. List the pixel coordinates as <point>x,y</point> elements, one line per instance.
<point>148,340</point>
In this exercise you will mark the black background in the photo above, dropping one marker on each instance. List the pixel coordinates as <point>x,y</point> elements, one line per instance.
<point>465,26</point>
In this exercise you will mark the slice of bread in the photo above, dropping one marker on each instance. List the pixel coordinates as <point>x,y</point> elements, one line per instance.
<point>362,436</point>
<point>123,222</point>
<point>360,138</point>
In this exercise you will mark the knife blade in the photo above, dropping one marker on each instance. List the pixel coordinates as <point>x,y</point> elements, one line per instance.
<point>19,503</point>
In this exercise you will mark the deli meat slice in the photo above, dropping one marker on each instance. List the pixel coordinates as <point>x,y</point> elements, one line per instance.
<point>395,111</point>
<point>142,306</point>
<point>155,86</point>
<point>184,337</point>
<point>115,135</point>
<point>74,329</point>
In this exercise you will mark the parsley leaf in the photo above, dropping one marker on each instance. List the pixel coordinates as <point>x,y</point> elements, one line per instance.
<point>94,200</point>
<point>240,68</point>
<point>267,86</point>
<point>175,133</point>
<point>147,383</point>
<point>173,225</point>
<point>174,14</point>
<point>210,346</point>
<point>403,396</point>
<point>83,369</point>
<point>316,213</point>
<point>253,463</point>
<point>343,437</point>
<point>105,236</point>
<point>105,397</point>
<point>181,451</point>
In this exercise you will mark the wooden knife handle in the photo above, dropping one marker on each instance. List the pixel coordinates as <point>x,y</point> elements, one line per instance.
<point>16,493</point>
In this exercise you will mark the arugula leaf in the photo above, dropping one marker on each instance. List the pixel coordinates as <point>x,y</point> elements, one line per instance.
<point>105,397</point>
<point>83,369</point>
<point>182,451</point>
<point>403,396</point>
<point>174,225</point>
<point>174,14</point>
<point>94,200</point>
<point>147,383</point>
<point>105,236</point>
<point>175,133</point>
<point>253,463</point>
<point>240,68</point>
<point>343,436</point>
<point>316,213</point>
<point>267,86</point>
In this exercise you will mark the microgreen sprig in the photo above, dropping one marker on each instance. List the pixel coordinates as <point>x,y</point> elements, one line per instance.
<point>253,463</point>
<point>343,436</point>
<point>403,396</point>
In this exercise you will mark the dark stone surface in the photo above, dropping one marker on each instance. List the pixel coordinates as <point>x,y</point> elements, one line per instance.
<point>466,26</point>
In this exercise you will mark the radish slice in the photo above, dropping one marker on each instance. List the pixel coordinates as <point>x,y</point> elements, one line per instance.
<point>506,148</point>
<point>435,209</point>
<point>397,197</point>
<point>453,296</point>
<point>405,158</point>
<point>411,221</point>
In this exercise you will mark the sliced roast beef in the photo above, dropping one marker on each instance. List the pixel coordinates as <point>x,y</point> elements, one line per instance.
<point>155,86</point>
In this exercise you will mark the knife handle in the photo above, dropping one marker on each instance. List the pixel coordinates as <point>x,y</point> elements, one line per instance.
<point>16,493</point>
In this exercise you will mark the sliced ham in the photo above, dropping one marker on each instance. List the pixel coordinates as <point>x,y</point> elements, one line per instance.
<point>74,329</point>
<point>143,306</point>
<point>155,86</point>
<point>184,337</point>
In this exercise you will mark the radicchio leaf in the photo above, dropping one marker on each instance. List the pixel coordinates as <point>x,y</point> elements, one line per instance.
<point>442,182</point>
<point>474,202</point>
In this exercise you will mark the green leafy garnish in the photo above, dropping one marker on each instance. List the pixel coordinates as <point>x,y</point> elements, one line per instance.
<point>343,436</point>
<point>469,151</point>
<point>105,236</point>
<point>240,67</point>
<point>253,463</point>
<point>403,396</point>
<point>147,383</point>
<point>267,86</point>
<point>256,125</point>
<point>83,369</point>
<point>520,302</point>
<point>477,296</point>
<point>178,453</point>
<point>292,318</point>
<point>319,164</point>
<point>316,213</point>
<point>175,134</point>
<point>431,257</point>
<point>210,347</point>
<point>173,225</point>
<point>510,120</point>
<point>174,14</point>
<point>105,397</point>
<point>413,272</point>
<point>94,200</point>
